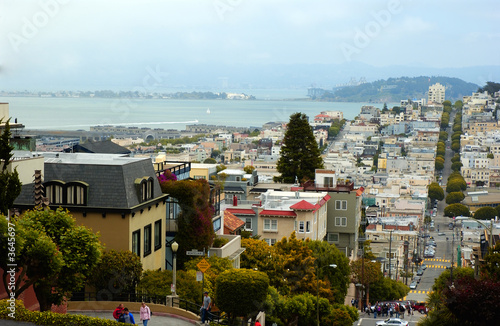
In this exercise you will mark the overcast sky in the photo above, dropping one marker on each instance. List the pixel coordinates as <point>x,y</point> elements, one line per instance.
<point>71,38</point>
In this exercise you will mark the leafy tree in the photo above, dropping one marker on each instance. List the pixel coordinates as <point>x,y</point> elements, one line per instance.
<point>194,222</point>
<point>441,151</point>
<point>454,197</point>
<point>387,289</point>
<point>458,105</point>
<point>491,267</point>
<point>157,284</point>
<point>439,163</point>
<point>327,254</point>
<point>455,146</point>
<point>116,274</point>
<point>456,210</point>
<point>10,185</point>
<point>456,166</point>
<point>435,191</point>
<point>470,298</point>
<point>53,254</point>
<point>490,87</point>
<point>367,275</point>
<point>443,135</point>
<point>456,184</point>
<point>210,161</point>
<point>215,153</point>
<point>249,169</point>
<point>455,158</point>
<point>485,213</point>
<point>240,292</point>
<point>300,155</point>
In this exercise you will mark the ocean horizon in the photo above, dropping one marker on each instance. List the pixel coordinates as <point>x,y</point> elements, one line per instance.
<point>82,113</point>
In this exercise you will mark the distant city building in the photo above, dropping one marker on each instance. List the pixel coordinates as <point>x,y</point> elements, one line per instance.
<point>436,93</point>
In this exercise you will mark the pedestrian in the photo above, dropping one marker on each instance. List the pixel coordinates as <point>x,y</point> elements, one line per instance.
<point>257,323</point>
<point>396,309</point>
<point>352,302</point>
<point>118,312</point>
<point>205,308</point>
<point>126,317</point>
<point>145,314</point>
<point>402,311</point>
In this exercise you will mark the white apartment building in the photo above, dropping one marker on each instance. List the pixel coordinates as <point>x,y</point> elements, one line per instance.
<point>436,93</point>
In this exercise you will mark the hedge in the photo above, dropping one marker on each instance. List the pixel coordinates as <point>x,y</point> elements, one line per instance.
<point>49,318</point>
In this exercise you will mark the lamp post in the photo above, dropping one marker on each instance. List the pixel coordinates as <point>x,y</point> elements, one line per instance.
<point>175,246</point>
<point>390,253</point>
<point>317,292</point>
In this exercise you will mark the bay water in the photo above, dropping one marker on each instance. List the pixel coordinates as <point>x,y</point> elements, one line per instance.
<point>82,113</point>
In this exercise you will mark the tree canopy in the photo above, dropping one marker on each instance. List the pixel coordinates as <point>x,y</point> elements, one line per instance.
<point>435,191</point>
<point>454,197</point>
<point>194,222</point>
<point>485,213</point>
<point>300,155</point>
<point>10,185</point>
<point>52,253</point>
<point>456,210</point>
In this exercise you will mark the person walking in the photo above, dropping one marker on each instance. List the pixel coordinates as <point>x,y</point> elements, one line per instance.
<point>205,308</point>
<point>145,314</point>
<point>396,309</point>
<point>126,317</point>
<point>118,312</point>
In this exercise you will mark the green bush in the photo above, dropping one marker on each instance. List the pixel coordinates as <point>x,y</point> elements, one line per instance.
<point>49,318</point>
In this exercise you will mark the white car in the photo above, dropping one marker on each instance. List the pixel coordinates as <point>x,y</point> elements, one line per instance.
<point>413,285</point>
<point>392,321</point>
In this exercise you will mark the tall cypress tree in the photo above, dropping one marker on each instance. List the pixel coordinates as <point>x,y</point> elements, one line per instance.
<point>10,186</point>
<point>300,155</point>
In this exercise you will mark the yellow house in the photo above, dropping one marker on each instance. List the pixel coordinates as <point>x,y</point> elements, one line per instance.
<point>117,196</point>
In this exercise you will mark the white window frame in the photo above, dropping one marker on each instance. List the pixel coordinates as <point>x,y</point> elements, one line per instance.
<point>270,242</point>
<point>341,221</point>
<point>301,226</point>
<point>248,220</point>
<point>308,227</point>
<point>341,205</point>
<point>270,225</point>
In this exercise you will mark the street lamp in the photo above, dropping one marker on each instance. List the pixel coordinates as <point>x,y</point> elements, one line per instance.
<point>317,292</point>
<point>175,246</point>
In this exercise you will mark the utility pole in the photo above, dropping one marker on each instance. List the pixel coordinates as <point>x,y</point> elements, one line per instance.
<point>390,252</point>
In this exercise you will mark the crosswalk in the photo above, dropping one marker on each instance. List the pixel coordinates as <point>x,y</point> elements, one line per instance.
<point>419,292</point>
<point>437,259</point>
<point>436,266</point>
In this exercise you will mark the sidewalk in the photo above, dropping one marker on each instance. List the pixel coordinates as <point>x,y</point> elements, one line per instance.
<point>156,320</point>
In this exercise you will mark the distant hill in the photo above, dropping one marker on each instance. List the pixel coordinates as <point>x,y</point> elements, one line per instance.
<point>396,89</point>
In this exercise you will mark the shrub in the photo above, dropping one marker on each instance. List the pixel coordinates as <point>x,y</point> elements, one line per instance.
<point>49,318</point>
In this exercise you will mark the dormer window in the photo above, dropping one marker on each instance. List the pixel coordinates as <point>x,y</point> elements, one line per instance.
<point>71,193</point>
<point>54,191</point>
<point>145,188</point>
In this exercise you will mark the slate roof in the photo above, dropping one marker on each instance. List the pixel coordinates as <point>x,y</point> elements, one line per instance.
<point>101,147</point>
<point>111,178</point>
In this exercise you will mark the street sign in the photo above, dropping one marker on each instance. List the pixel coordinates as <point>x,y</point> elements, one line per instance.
<point>199,276</point>
<point>194,252</point>
<point>203,265</point>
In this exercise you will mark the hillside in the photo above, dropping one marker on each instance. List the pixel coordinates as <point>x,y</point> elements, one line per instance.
<point>396,89</point>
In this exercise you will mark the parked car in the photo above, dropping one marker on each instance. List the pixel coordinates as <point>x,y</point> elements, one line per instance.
<point>392,321</point>
<point>423,267</point>
<point>420,272</point>
<point>441,233</point>
<point>417,279</point>
<point>413,285</point>
<point>420,307</point>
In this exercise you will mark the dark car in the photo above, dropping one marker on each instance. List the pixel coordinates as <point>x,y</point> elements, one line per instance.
<point>420,307</point>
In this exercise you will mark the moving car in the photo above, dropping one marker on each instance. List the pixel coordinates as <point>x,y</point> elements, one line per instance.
<point>420,307</point>
<point>393,321</point>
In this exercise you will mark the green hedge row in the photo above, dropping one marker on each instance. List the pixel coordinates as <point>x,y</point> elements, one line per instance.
<point>48,318</point>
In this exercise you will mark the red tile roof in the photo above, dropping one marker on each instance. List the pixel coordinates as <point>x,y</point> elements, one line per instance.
<point>231,222</point>
<point>359,192</point>
<point>241,211</point>
<point>268,212</point>
<point>303,206</point>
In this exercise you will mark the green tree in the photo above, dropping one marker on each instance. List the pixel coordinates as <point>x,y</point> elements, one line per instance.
<point>366,273</point>
<point>439,163</point>
<point>215,153</point>
<point>485,213</point>
<point>54,255</point>
<point>455,184</point>
<point>454,197</point>
<point>240,292</point>
<point>300,155</point>
<point>456,166</point>
<point>387,289</point>
<point>458,105</point>
<point>194,222</point>
<point>116,275</point>
<point>455,158</point>
<point>249,169</point>
<point>210,161</point>
<point>327,254</point>
<point>435,191</point>
<point>491,267</point>
<point>490,87</point>
<point>10,185</point>
<point>456,210</point>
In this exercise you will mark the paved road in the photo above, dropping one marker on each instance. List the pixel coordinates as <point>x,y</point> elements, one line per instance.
<point>156,320</point>
<point>365,320</point>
